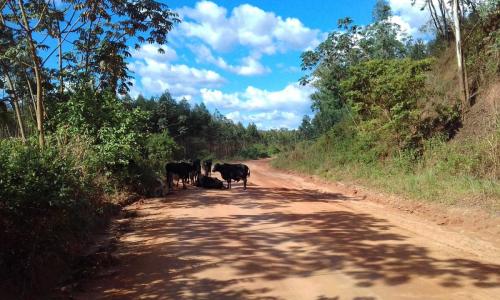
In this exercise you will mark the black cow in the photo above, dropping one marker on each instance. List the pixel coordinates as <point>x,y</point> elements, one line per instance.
<point>181,169</point>
<point>235,172</point>
<point>207,167</point>
<point>195,172</point>
<point>209,183</point>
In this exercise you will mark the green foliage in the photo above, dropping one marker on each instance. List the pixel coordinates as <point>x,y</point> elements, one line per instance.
<point>255,151</point>
<point>384,94</point>
<point>160,148</point>
<point>383,119</point>
<point>306,129</point>
<point>482,47</point>
<point>464,174</point>
<point>114,130</point>
<point>45,202</point>
<point>201,134</point>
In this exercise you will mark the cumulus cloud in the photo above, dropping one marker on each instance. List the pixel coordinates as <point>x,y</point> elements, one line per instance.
<point>250,64</point>
<point>293,97</point>
<point>410,17</point>
<point>156,73</point>
<point>151,51</point>
<point>267,109</point>
<point>246,25</point>
<point>268,120</point>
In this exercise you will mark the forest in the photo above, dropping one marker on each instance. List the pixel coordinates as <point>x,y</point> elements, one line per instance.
<point>387,114</point>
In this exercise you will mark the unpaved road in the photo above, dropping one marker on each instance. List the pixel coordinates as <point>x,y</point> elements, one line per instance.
<point>290,238</point>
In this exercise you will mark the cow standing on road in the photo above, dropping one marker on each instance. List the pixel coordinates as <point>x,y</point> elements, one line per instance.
<point>235,172</point>
<point>207,167</point>
<point>195,171</point>
<point>181,169</point>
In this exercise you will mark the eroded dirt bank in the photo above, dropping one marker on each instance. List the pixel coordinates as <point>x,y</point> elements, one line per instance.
<point>287,237</point>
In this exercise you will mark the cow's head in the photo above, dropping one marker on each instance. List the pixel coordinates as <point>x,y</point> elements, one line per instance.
<point>217,168</point>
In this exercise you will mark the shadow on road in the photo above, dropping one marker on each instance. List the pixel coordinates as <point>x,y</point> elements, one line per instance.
<point>254,197</point>
<point>267,245</point>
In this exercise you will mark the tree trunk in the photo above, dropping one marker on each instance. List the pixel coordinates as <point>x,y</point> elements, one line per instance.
<point>38,76</point>
<point>32,96</point>
<point>15,102</point>
<point>435,17</point>
<point>442,8</point>
<point>61,77</point>
<point>460,59</point>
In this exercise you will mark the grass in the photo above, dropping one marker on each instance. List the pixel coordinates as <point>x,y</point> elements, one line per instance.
<point>464,175</point>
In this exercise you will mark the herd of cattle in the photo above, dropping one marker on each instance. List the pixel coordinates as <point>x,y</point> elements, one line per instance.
<point>190,172</point>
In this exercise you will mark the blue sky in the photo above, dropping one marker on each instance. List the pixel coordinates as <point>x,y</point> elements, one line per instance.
<point>243,57</point>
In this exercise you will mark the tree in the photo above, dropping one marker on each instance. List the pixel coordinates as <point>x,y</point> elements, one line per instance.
<point>462,73</point>
<point>306,129</point>
<point>383,39</point>
<point>252,133</point>
<point>384,95</point>
<point>441,14</point>
<point>95,35</point>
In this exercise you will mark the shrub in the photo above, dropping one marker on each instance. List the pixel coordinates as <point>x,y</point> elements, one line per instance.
<point>46,207</point>
<point>160,148</point>
<point>254,152</point>
<point>114,130</point>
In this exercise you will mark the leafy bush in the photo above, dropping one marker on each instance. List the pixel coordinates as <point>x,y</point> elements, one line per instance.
<point>384,94</point>
<point>160,148</point>
<point>255,151</point>
<point>114,130</point>
<point>46,207</point>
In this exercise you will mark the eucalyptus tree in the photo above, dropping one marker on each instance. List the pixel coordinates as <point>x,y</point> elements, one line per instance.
<point>91,40</point>
<point>441,15</point>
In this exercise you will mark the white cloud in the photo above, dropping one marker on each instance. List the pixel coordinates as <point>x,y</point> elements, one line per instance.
<point>267,109</point>
<point>157,74</point>
<point>250,65</point>
<point>410,17</point>
<point>293,97</point>
<point>246,25</point>
<point>150,51</point>
<point>268,120</point>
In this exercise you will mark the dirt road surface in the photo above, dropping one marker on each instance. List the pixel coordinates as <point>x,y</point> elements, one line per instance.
<point>290,238</point>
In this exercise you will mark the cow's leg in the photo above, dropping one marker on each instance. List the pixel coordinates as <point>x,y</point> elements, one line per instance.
<point>183,184</point>
<point>169,179</point>
<point>244,183</point>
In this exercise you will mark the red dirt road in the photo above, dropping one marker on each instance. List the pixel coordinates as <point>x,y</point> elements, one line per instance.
<point>288,238</point>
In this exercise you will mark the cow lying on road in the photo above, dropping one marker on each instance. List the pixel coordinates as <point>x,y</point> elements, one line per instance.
<point>235,172</point>
<point>209,182</point>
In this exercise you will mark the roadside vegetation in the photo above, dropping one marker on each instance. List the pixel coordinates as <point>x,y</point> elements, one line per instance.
<point>389,114</point>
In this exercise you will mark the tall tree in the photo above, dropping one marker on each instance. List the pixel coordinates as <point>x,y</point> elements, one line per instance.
<point>462,73</point>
